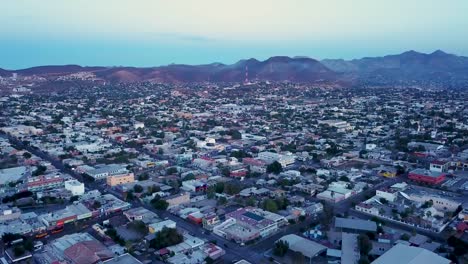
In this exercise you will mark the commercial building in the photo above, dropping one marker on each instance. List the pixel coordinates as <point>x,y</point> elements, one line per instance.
<point>9,213</point>
<point>308,248</point>
<point>177,199</point>
<point>103,171</point>
<point>403,254</point>
<point>117,179</point>
<point>426,176</point>
<point>249,223</point>
<point>13,174</point>
<point>439,166</point>
<point>44,182</point>
<point>194,186</point>
<point>123,259</point>
<point>78,248</point>
<point>349,248</point>
<point>69,214</point>
<point>270,157</point>
<point>75,187</point>
<point>355,225</point>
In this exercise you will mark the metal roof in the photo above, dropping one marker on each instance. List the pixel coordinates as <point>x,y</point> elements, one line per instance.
<point>410,255</point>
<point>356,224</point>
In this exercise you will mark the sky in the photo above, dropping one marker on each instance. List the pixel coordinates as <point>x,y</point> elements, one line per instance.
<point>147,33</point>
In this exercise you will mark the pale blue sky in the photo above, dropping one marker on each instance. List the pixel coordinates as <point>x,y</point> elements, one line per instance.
<point>157,32</point>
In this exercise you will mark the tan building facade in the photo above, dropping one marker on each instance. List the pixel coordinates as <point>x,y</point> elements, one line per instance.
<point>118,179</point>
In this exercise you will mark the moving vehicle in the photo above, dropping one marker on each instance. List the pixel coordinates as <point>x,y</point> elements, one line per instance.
<point>57,230</point>
<point>41,235</point>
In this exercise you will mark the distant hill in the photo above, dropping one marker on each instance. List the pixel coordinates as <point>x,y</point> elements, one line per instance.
<point>406,67</point>
<point>4,73</point>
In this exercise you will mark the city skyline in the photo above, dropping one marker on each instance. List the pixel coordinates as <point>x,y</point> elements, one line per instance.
<point>154,33</point>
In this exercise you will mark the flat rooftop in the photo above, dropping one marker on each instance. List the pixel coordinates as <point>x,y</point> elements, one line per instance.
<point>356,224</point>
<point>427,173</point>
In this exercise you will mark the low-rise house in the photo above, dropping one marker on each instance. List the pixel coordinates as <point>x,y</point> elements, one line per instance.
<point>177,199</point>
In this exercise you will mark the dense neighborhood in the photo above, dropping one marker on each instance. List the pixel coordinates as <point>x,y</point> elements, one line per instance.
<point>232,173</point>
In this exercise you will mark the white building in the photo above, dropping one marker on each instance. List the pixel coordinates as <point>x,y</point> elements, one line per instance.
<point>75,187</point>
<point>387,194</point>
<point>138,125</point>
<point>270,157</point>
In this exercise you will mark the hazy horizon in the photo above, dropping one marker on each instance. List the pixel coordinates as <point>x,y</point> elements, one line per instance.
<point>152,33</point>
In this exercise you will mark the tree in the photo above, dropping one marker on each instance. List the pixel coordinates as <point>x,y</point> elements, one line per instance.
<point>165,238</point>
<point>112,233</point>
<point>275,168</point>
<point>428,214</point>
<point>326,216</point>
<point>225,171</point>
<point>405,237</point>
<point>143,177</point>
<point>210,193</point>
<point>427,204</point>
<point>96,205</point>
<point>138,188</point>
<point>171,170</point>
<point>365,245</point>
<point>364,260</point>
<point>129,196</point>
<point>189,176</point>
<point>27,155</point>
<point>222,200</point>
<point>139,226</point>
<point>270,205</point>
<point>7,238</point>
<point>344,178</point>
<point>281,248</point>
<point>219,187</point>
<point>18,251</point>
<point>232,188</point>
<point>159,203</point>
<point>250,201</point>
<point>235,134</point>
<point>40,170</point>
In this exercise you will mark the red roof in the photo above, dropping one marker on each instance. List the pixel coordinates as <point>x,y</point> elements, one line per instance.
<point>462,226</point>
<point>163,251</point>
<point>88,252</point>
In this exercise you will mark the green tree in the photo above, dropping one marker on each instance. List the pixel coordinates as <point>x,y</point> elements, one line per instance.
<point>165,238</point>
<point>138,188</point>
<point>222,200</point>
<point>159,203</point>
<point>18,251</point>
<point>96,205</point>
<point>281,248</point>
<point>40,170</point>
<point>275,168</point>
<point>365,245</point>
<point>235,134</point>
<point>270,205</point>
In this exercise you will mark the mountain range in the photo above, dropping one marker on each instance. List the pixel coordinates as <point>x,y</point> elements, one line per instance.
<point>410,66</point>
